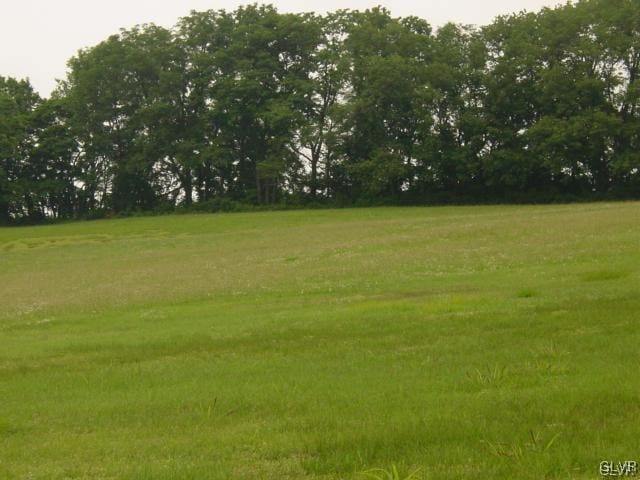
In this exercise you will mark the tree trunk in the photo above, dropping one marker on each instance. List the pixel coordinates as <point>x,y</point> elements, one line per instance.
<point>314,174</point>
<point>187,186</point>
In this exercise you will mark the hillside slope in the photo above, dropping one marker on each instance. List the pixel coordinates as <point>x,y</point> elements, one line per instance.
<point>462,342</point>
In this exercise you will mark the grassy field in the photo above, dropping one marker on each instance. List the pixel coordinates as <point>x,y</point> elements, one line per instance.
<point>461,343</point>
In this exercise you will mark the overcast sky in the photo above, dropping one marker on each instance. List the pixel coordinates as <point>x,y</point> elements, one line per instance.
<point>37,37</point>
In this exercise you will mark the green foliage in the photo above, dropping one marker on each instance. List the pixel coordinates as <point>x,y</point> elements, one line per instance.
<point>353,107</point>
<point>391,474</point>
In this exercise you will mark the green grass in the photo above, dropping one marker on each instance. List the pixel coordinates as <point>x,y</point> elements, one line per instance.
<point>426,343</point>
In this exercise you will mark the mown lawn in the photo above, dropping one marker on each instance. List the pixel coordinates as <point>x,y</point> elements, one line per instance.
<point>461,343</point>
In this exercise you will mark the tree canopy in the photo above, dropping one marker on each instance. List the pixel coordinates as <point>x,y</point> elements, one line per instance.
<point>354,107</point>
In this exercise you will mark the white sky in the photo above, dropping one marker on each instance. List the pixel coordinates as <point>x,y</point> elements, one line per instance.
<point>37,37</point>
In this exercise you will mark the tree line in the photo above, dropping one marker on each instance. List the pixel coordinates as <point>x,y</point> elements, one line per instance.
<point>257,107</point>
